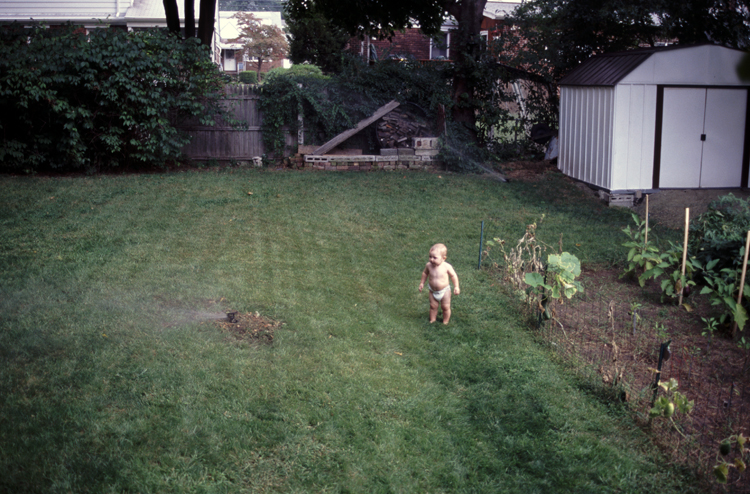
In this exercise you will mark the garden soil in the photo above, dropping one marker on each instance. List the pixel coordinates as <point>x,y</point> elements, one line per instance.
<point>704,367</point>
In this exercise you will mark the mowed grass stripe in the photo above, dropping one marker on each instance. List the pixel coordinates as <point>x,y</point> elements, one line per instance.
<point>113,383</point>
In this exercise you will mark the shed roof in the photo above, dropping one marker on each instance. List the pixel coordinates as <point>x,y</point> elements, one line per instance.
<point>609,69</point>
<point>605,70</point>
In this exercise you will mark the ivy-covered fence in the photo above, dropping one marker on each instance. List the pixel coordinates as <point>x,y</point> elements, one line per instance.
<point>237,138</point>
<point>72,100</point>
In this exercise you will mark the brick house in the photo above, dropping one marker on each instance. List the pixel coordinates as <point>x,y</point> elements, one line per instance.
<point>231,58</point>
<point>411,43</point>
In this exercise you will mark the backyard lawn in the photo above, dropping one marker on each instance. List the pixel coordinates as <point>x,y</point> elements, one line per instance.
<point>118,375</point>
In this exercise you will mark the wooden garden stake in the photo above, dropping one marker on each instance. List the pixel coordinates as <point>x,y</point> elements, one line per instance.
<point>742,282</point>
<point>684,251</point>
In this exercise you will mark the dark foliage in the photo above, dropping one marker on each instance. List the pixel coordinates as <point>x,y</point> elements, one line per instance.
<point>71,101</point>
<point>721,231</point>
<point>333,104</point>
<point>251,5</point>
<point>315,40</point>
<point>553,36</point>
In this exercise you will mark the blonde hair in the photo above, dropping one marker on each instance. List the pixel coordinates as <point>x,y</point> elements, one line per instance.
<point>440,249</point>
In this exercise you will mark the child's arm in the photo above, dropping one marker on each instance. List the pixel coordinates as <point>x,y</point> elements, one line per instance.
<point>425,273</point>
<point>454,279</point>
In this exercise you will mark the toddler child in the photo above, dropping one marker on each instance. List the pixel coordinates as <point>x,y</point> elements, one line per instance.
<point>437,273</point>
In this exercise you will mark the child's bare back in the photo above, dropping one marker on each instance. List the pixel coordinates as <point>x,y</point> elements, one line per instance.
<point>438,273</point>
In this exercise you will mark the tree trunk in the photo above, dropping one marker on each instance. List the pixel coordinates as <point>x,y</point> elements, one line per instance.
<point>465,50</point>
<point>260,65</point>
<point>206,21</point>
<point>189,19</point>
<point>173,16</point>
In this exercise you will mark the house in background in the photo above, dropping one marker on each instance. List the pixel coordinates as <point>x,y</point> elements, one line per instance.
<point>230,59</point>
<point>411,43</point>
<point>665,117</point>
<point>92,14</point>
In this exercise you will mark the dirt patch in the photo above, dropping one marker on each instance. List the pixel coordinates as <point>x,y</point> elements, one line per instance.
<point>667,207</point>
<point>249,327</point>
<point>528,171</point>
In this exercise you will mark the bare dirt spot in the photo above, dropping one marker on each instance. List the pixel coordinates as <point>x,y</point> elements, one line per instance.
<point>528,171</point>
<point>249,327</point>
<point>667,207</point>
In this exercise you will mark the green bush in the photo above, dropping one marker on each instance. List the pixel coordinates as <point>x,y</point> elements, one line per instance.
<point>71,101</point>
<point>248,77</point>
<point>720,232</point>
<point>331,105</point>
<point>298,70</point>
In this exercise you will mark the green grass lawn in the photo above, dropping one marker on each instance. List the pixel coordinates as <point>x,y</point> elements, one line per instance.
<point>113,379</point>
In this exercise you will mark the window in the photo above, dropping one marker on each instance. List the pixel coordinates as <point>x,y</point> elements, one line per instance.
<point>439,46</point>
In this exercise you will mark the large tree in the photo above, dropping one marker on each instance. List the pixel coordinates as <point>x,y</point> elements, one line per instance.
<point>385,17</point>
<point>315,40</point>
<point>263,42</point>
<point>554,36</point>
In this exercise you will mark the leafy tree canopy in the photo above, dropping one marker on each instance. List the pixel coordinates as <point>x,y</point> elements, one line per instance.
<point>381,18</point>
<point>262,42</point>
<point>314,39</point>
<point>252,5</point>
<point>554,36</point>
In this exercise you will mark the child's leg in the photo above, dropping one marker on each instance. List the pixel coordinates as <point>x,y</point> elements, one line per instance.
<point>446,304</point>
<point>433,308</point>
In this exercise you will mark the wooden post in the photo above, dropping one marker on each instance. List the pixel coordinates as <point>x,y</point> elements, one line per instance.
<point>742,282</point>
<point>684,251</point>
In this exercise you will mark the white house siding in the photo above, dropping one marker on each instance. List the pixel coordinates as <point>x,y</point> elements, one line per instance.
<point>63,9</point>
<point>586,134</point>
<point>633,137</point>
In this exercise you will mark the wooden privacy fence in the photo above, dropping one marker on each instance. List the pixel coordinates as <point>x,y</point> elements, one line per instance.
<point>224,142</point>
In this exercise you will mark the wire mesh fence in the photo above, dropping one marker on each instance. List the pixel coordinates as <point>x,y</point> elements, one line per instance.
<point>609,341</point>
<point>617,342</point>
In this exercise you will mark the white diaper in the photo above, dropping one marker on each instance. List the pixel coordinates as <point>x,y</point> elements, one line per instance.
<point>439,294</point>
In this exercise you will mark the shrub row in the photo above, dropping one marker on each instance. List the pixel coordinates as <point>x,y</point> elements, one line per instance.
<point>73,101</point>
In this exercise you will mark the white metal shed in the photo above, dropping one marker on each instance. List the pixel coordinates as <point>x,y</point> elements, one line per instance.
<point>669,117</point>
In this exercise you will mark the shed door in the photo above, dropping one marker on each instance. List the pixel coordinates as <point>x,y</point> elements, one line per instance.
<point>703,134</point>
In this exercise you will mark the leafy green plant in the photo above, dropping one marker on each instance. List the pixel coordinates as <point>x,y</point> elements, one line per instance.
<point>642,255</point>
<point>248,77</point>
<point>661,331</point>
<point>673,401</point>
<point>561,273</point>
<point>725,459</point>
<point>711,326</point>
<point>296,70</point>
<point>670,265</point>
<point>71,100</point>
<point>719,233</point>
<point>722,290</point>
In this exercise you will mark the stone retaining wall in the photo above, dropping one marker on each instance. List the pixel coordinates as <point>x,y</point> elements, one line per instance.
<point>370,162</point>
